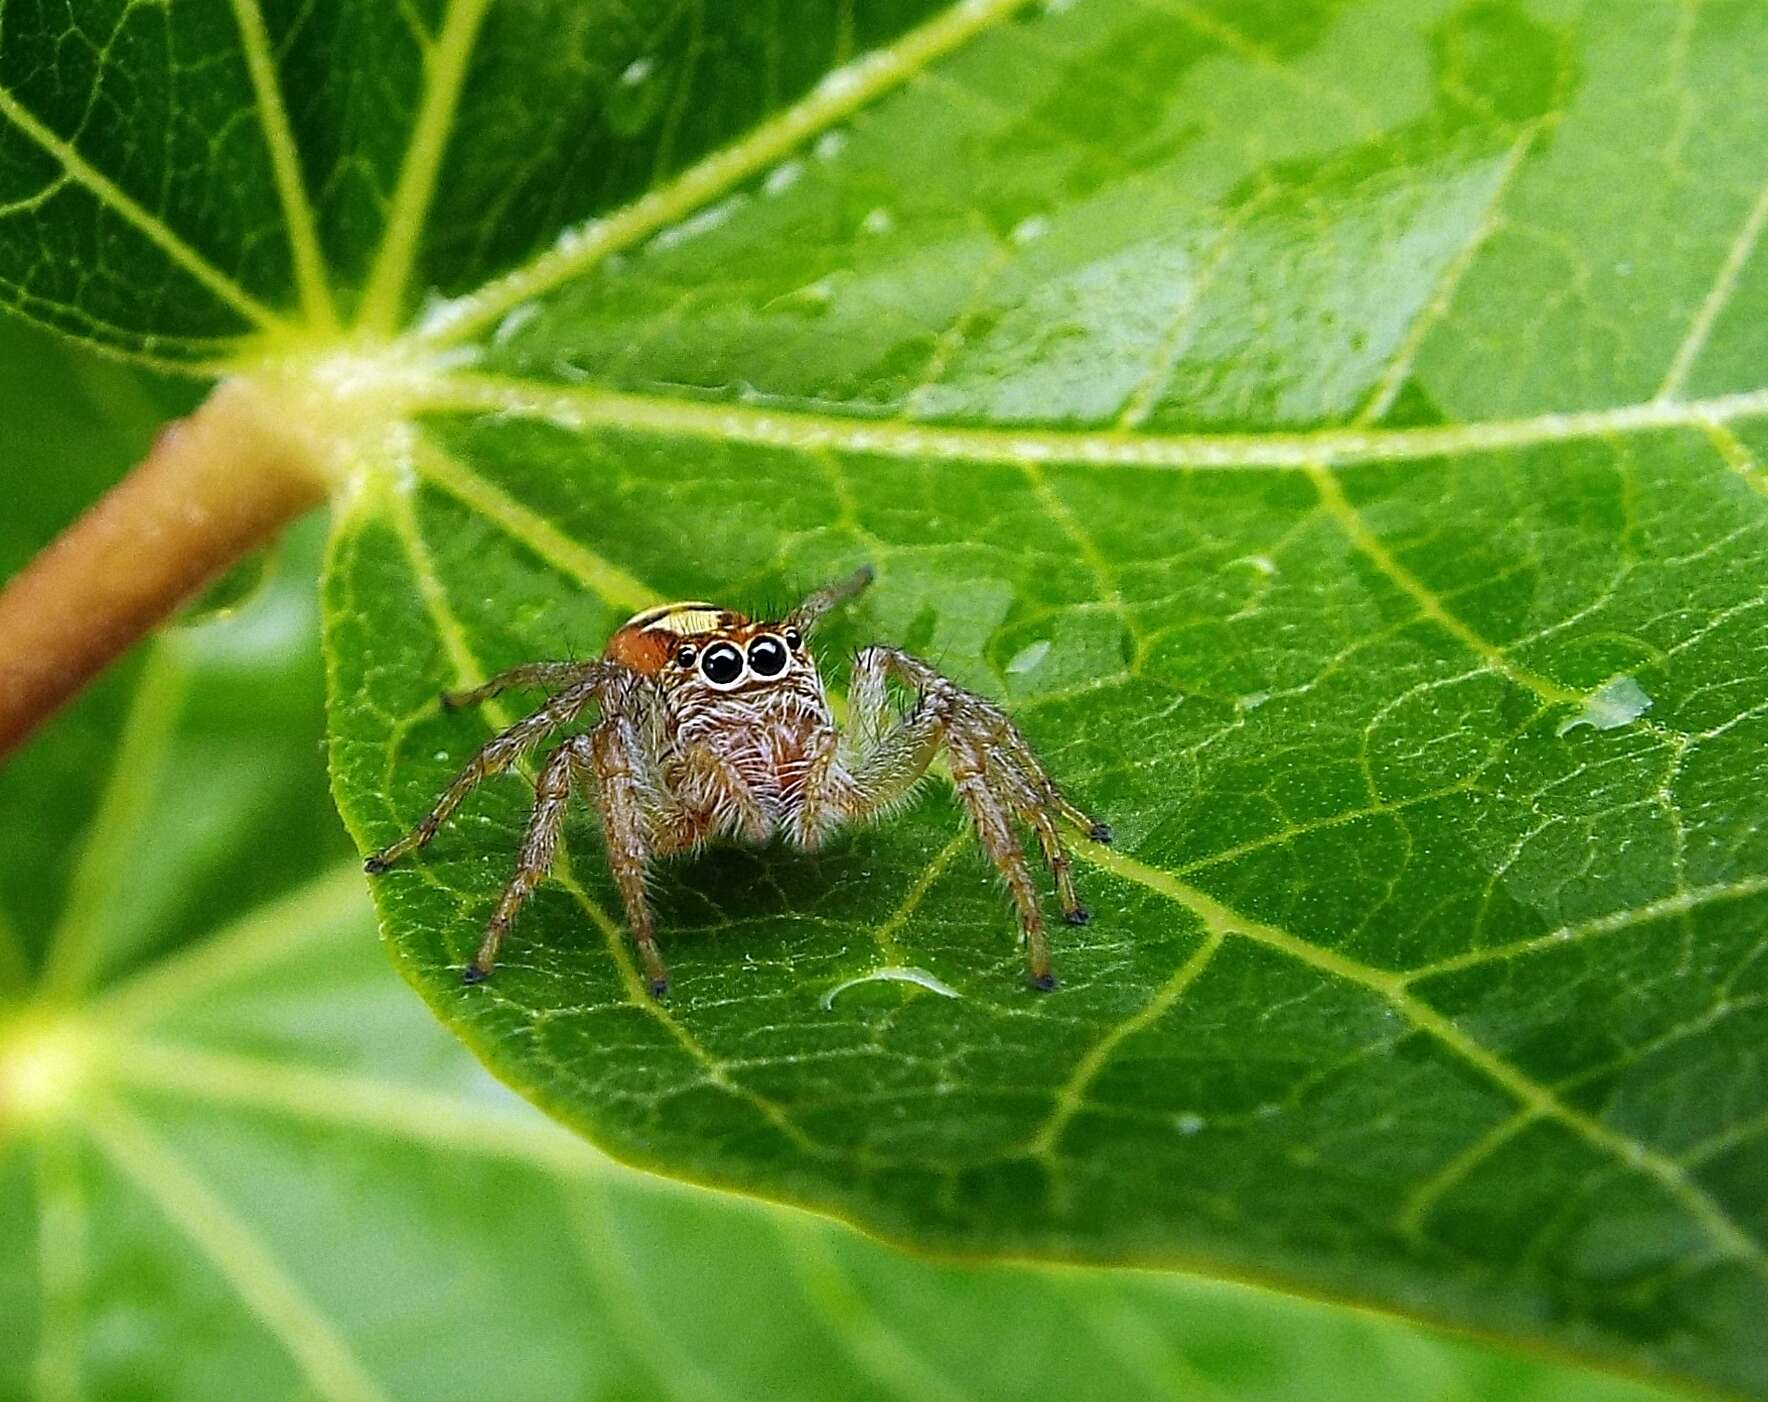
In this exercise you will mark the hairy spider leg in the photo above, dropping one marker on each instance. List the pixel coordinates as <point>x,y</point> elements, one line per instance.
<point>1019,772</point>
<point>495,756</point>
<point>540,846</point>
<point>609,760</point>
<point>618,769</point>
<point>1053,799</point>
<point>551,675</point>
<point>994,773</point>
<point>991,817</point>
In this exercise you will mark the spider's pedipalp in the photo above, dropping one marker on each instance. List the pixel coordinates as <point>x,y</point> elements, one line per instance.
<point>829,598</point>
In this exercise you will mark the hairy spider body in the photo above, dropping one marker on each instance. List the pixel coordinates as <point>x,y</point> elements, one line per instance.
<point>715,726</point>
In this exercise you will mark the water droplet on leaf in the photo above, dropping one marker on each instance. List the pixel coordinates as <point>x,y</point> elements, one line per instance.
<point>919,977</point>
<point>1617,702</point>
<point>782,177</point>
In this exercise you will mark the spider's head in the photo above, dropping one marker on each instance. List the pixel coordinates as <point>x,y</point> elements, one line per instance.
<point>705,648</point>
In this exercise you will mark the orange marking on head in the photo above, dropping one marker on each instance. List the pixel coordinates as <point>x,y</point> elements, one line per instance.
<point>648,639</point>
<point>640,649</point>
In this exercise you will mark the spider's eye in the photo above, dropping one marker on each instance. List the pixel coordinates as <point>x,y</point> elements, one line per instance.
<point>685,655</point>
<point>793,641</point>
<point>722,663</point>
<point>767,656</point>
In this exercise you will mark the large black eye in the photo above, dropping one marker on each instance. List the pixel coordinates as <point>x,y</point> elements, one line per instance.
<point>767,656</point>
<point>722,663</point>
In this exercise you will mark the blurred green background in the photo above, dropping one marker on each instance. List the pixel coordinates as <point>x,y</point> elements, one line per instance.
<point>238,1158</point>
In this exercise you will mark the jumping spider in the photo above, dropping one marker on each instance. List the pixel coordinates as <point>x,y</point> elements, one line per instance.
<point>712,725</point>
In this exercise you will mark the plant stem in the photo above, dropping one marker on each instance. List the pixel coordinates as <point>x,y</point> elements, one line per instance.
<point>215,485</point>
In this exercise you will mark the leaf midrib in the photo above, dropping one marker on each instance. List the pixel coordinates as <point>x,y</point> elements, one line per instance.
<point>582,407</point>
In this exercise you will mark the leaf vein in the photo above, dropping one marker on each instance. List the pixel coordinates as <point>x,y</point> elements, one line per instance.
<point>1736,455</point>
<point>266,1291</point>
<point>1630,1153</point>
<point>1070,1097</point>
<point>581,409</point>
<point>147,735</point>
<point>602,577</point>
<point>840,95</point>
<point>285,168</point>
<point>408,1114</point>
<point>857,1326</point>
<point>1679,904</point>
<point>108,193</point>
<point>1419,1202</point>
<point>321,908</point>
<point>444,67</point>
<point>1717,299</point>
<point>884,934</point>
<point>62,1269</point>
<point>1393,378</point>
<point>1338,506</point>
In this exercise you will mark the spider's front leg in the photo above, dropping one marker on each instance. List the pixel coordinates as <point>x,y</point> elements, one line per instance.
<point>612,765</point>
<point>611,759</point>
<point>994,772</point>
<point>505,748</point>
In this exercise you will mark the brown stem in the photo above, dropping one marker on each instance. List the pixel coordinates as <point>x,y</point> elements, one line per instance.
<point>215,485</point>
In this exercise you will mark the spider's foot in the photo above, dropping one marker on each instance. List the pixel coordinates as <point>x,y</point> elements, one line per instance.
<point>660,988</point>
<point>1045,981</point>
<point>474,973</point>
<point>452,700</point>
<point>1080,915</point>
<point>1100,833</point>
<point>375,864</point>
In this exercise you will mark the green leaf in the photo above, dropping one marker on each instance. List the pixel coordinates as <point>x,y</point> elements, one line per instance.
<point>248,1164</point>
<point>1334,429</point>
<point>187,181</point>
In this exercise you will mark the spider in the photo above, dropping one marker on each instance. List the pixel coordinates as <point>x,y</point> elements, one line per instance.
<point>716,726</point>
